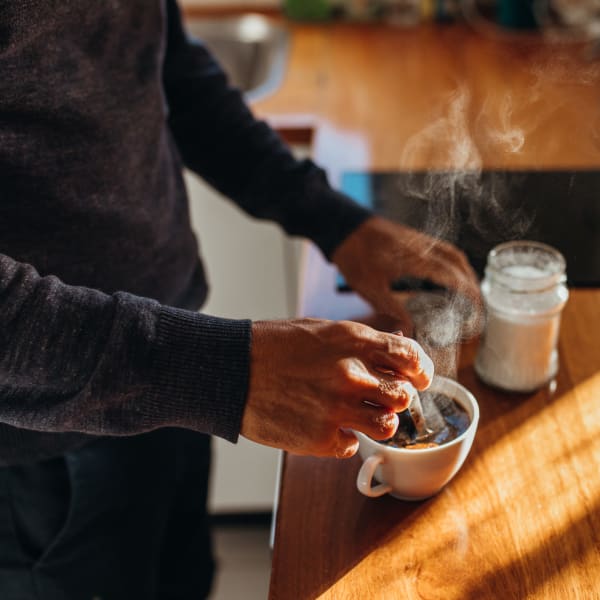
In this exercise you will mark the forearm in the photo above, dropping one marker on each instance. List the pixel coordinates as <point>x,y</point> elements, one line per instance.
<point>75,359</point>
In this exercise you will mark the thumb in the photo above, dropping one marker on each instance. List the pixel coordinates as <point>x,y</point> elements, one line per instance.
<point>346,444</point>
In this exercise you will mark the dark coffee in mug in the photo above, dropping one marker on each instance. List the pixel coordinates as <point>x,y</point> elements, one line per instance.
<point>445,420</point>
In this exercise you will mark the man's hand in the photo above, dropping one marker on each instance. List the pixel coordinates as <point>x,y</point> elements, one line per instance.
<point>381,251</point>
<point>312,380</point>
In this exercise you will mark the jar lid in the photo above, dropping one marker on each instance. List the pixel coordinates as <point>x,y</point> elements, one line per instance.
<point>525,266</point>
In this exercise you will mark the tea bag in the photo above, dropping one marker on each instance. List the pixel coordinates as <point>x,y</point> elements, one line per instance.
<point>412,422</point>
<point>442,418</point>
<point>453,418</point>
<point>441,321</point>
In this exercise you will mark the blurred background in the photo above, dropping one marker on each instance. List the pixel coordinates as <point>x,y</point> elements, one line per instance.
<point>484,94</point>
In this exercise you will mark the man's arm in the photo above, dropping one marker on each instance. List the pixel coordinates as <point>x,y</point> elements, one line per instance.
<point>243,157</point>
<point>75,359</point>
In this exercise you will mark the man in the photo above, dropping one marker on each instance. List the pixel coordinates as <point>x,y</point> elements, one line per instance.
<point>109,377</point>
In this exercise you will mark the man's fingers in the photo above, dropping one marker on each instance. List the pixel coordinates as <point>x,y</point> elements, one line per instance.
<point>388,389</point>
<point>448,266</point>
<point>346,444</point>
<point>449,275</point>
<point>405,358</point>
<point>452,270</point>
<point>377,422</point>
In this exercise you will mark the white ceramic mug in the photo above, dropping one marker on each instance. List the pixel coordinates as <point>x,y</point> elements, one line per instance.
<point>417,474</point>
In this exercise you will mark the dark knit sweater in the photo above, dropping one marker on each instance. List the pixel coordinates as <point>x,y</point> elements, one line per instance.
<point>101,103</point>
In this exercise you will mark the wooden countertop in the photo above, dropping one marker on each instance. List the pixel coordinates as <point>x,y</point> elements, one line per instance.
<point>522,517</point>
<point>520,520</point>
<point>439,96</point>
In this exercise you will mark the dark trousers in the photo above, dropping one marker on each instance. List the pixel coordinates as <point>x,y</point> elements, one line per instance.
<point>119,519</point>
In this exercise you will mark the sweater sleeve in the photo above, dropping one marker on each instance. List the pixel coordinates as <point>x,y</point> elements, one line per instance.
<point>73,359</point>
<point>242,157</point>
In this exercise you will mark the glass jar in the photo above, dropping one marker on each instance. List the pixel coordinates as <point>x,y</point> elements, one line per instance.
<point>524,290</point>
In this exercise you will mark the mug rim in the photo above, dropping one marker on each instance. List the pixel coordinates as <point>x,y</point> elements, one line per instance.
<point>457,440</point>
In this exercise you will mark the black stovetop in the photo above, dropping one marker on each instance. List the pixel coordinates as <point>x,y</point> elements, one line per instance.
<point>477,211</point>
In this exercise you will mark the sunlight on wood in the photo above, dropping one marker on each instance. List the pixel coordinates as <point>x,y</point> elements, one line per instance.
<point>468,518</point>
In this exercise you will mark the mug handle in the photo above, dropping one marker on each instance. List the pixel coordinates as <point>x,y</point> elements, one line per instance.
<point>365,477</point>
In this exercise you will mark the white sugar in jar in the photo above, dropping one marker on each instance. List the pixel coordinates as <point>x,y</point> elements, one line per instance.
<point>524,291</point>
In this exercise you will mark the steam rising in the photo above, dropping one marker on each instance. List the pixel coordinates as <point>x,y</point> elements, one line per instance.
<point>459,200</point>
<point>452,125</point>
<point>509,137</point>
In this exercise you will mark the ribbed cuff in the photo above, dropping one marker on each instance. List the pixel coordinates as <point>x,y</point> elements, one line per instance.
<point>200,371</point>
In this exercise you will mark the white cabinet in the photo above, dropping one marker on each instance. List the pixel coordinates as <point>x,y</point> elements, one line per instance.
<point>252,270</point>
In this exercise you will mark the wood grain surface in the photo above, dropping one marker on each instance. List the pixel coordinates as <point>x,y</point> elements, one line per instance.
<point>522,517</point>
<point>520,520</point>
<point>441,97</point>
